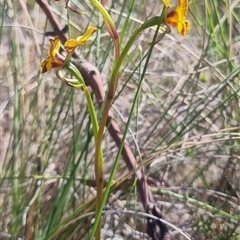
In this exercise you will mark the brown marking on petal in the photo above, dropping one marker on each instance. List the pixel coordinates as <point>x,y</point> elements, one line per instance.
<point>57,64</point>
<point>46,65</point>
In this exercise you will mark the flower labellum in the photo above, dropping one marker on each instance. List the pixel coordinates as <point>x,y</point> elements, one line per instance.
<point>54,59</point>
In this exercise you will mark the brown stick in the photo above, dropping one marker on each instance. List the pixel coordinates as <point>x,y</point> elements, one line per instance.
<point>92,77</point>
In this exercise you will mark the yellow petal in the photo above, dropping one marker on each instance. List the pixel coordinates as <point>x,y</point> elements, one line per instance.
<point>54,47</point>
<point>46,65</point>
<point>82,39</point>
<point>182,8</point>
<point>71,44</point>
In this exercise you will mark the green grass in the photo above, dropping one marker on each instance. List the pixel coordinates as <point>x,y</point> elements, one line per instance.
<point>183,127</point>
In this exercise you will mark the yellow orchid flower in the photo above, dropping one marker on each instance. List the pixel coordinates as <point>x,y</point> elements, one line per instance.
<point>55,59</point>
<point>71,44</point>
<point>177,17</point>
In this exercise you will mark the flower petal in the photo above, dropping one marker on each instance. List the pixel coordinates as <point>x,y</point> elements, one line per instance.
<point>50,63</point>
<point>46,65</point>
<point>54,47</point>
<point>183,8</point>
<point>82,39</point>
<point>71,44</point>
<point>54,58</point>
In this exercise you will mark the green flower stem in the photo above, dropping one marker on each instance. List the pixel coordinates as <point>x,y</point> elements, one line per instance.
<point>149,23</point>
<point>104,13</point>
<point>112,88</point>
<point>99,158</point>
<point>75,72</point>
<point>109,25</point>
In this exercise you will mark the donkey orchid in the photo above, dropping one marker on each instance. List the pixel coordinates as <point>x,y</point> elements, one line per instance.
<point>176,18</point>
<point>55,59</point>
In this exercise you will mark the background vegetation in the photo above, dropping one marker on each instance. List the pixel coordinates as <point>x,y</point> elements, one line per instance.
<point>185,129</point>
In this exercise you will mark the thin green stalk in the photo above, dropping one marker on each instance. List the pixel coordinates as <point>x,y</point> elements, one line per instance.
<point>98,141</point>
<point>99,159</point>
<point>150,23</point>
<point>124,29</point>
<point>103,12</point>
<point>114,78</point>
<point>75,72</point>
